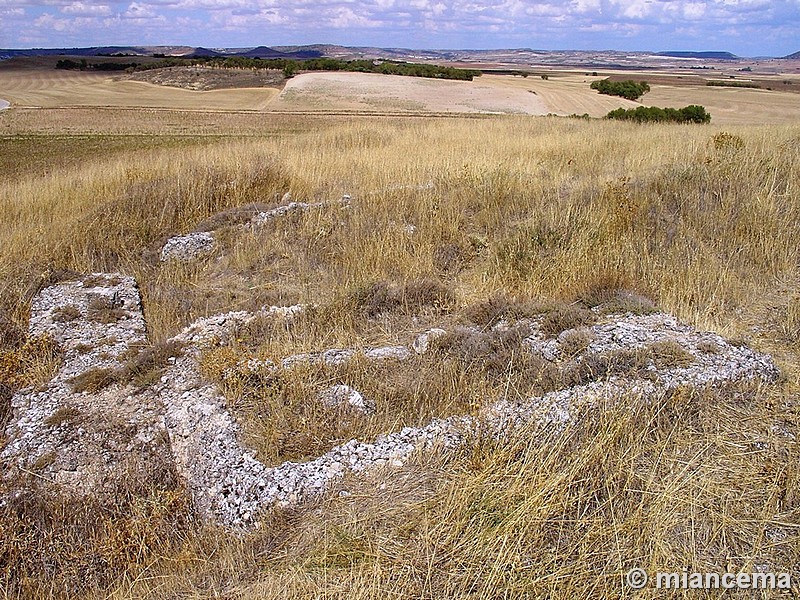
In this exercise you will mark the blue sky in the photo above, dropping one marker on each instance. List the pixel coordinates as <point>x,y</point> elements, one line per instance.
<point>745,27</point>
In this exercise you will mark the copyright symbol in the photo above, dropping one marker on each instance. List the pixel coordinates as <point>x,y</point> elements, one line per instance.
<point>636,578</point>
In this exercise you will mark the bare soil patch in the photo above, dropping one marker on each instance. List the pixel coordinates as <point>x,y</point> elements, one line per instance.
<point>52,88</point>
<point>373,92</point>
<point>208,78</point>
<point>731,106</point>
<point>562,94</point>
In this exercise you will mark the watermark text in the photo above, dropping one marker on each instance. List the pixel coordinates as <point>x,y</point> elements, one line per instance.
<point>686,580</point>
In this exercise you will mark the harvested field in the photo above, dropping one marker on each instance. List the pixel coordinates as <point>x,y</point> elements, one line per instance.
<point>371,92</point>
<point>52,88</point>
<point>565,94</point>
<point>730,106</point>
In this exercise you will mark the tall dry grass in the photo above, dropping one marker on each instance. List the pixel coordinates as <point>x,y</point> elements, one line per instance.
<point>542,209</point>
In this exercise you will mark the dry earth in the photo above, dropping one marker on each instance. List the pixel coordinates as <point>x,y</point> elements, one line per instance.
<point>570,94</point>
<point>370,92</point>
<point>731,106</point>
<point>562,93</point>
<point>51,88</point>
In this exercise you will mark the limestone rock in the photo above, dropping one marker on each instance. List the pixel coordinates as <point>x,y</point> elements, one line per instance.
<point>344,396</point>
<point>189,247</point>
<point>67,432</point>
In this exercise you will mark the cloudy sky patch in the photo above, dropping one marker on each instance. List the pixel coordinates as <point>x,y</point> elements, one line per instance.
<point>745,27</point>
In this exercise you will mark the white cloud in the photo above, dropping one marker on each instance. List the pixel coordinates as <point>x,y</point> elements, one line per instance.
<point>547,10</point>
<point>634,9</point>
<point>344,18</point>
<point>194,5</point>
<point>139,10</point>
<point>694,10</point>
<point>583,6</point>
<point>86,10</point>
<point>248,21</point>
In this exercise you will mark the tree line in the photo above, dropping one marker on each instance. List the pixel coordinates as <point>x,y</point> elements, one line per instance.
<point>693,113</point>
<point>288,66</point>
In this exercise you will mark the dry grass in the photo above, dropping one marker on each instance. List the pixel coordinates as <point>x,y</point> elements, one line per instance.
<point>653,485</point>
<point>524,216</point>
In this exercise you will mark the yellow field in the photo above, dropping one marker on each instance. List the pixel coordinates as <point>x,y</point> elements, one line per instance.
<point>53,88</point>
<point>369,92</point>
<point>570,94</point>
<point>730,106</point>
<point>359,93</point>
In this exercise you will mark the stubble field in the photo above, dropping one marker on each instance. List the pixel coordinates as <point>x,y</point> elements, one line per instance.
<point>33,85</point>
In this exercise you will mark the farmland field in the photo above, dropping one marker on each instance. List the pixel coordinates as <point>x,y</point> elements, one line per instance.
<point>563,93</point>
<point>50,88</point>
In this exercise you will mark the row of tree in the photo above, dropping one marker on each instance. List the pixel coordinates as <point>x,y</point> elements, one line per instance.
<point>694,113</point>
<point>84,65</point>
<point>288,66</point>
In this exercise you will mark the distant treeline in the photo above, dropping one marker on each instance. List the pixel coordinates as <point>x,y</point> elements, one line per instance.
<point>736,84</point>
<point>693,113</point>
<point>288,66</point>
<point>84,65</point>
<point>629,89</point>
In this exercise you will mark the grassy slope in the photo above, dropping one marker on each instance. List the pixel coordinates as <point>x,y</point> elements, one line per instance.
<point>536,208</point>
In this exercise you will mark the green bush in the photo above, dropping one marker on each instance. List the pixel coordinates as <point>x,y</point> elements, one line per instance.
<point>626,89</point>
<point>693,113</point>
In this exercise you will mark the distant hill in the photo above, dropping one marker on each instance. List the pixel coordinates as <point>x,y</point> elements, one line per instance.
<point>98,51</point>
<point>201,52</point>
<point>707,55</point>
<point>795,56</point>
<point>266,52</point>
<point>295,52</point>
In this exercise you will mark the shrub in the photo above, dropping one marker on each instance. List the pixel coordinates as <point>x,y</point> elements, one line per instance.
<point>626,89</point>
<point>566,317</point>
<point>693,113</point>
<point>499,307</point>
<point>727,142</point>
<point>409,298</point>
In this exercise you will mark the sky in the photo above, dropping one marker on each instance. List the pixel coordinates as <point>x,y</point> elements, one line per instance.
<point>744,27</point>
